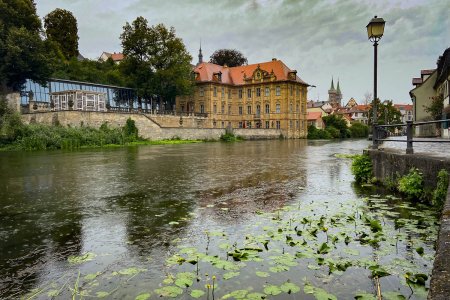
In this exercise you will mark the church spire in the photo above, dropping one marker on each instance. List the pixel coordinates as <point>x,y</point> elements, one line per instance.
<point>338,88</point>
<point>200,55</point>
<point>332,84</point>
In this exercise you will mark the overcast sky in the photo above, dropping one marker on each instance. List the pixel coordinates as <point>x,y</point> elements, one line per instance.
<point>320,39</point>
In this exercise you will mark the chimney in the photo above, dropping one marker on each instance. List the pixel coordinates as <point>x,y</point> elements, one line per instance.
<point>274,59</point>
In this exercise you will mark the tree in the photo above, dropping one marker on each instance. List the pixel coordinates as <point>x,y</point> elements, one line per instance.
<point>229,57</point>
<point>156,61</point>
<point>61,27</point>
<point>338,122</point>
<point>23,54</point>
<point>387,113</point>
<point>436,107</point>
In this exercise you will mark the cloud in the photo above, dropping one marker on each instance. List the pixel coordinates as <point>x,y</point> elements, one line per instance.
<point>319,38</point>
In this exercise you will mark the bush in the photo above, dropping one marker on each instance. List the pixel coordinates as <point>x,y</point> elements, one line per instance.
<point>334,133</point>
<point>229,137</point>
<point>359,130</point>
<point>362,168</point>
<point>440,193</point>
<point>411,184</point>
<point>316,134</point>
<point>130,130</point>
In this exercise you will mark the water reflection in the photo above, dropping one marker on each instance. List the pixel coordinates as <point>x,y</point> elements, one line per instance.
<point>129,205</point>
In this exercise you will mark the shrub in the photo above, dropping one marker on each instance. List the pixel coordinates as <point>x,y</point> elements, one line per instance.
<point>440,193</point>
<point>334,133</point>
<point>130,130</point>
<point>315,134</point>
<point>411,184</point>
<point>229,137</point>
<point>362,168</point>
<point>359,130</point>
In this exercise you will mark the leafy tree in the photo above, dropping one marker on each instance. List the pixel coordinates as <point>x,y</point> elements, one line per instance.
<point>23,54</point>
<point>387,113</point>
<point>229,57</point>
<point>156,61</point>
<point>359,130</point>
<point>436,107</point>
<point>337,122</point>
<point>61,27</point>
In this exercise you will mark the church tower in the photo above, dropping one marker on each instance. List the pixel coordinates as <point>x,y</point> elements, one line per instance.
<point>200,55</point>
<point>335,95</point>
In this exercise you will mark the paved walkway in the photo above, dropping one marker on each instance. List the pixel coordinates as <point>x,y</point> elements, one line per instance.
<point>432,146</point>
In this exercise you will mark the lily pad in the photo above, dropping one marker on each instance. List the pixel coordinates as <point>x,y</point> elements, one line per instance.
<point>290,288</point>
<point>169,291</point>
<point>142,296</point>
<point>75,260</point>
<point>197,293</point>
<point>262,274</point>
<point>272,290</point>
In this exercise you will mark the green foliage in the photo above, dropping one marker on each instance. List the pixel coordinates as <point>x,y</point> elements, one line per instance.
<point>362,168</point>
<point>229,137</point>
<point>338,122</point>
<point>23,54</point>
<point>130,130</point>
<point>61,27</point>
<point>334,132</point>
<point>436,107</point>
<point>386,112</point>
<point>359,130</point>
<point>156,61</point>
<point>229,57</point>
<point>440,193</point>
<point>412,184</point>
<point>315,134</point>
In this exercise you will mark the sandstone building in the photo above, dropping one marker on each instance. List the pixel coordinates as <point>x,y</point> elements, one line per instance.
<point>264,95</point>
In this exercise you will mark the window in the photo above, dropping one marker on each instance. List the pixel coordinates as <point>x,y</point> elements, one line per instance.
<point>291,124</point>
<point>202,109</point>
<point>278,91</point>
<point>240,124</point>
<point>267,109</point>
<point>258,92</point>
<point>215,108</point>
<point>202,91</point>
<point>258,109</point>
<point>291,109</point>
<point>278,108</point>
<point>229,93</point>
<point>267,124</point>
<point>297,108</point>
<point>267,92</point>
<point>249,124</point>
<point>215,92</point>
<point>229,109</point>
<point>291,90</point>
<point>223,93</point>
<point>182,108</point>
<point>297,123</point>
<point>240,93</point>
<point>278,124</point>
<point>223,109</point>
<point>249,93</point>
<point>223,124</point>
<point>298,91</point>
<point>249,110</point>
<point>240,110</point>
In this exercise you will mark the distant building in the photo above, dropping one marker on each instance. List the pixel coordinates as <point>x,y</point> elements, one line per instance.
<point>360,113</point>
<point>351,103</point>
<point>315,119</point>
<point>335,95</point>
<point>406,110</point>
<point>116,57</point>
<point>263,95</point>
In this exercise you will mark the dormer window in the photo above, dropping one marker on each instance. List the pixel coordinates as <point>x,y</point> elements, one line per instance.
<point>218,76</point>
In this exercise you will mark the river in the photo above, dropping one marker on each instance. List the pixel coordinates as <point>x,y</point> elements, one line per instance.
<point>245,220</point>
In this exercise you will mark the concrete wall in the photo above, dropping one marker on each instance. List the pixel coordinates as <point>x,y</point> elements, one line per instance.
<point>393,164</point>
<point>148,127</point>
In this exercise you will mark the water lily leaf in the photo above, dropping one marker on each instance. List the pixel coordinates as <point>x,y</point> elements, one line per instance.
<point>238,294</point>
<point>311,267</point>
<point>290,288</point>
<point>375,226</point>
<point>81,259</point>
<point>420,251</point>
<point>256,296</point>
<point>262,274</point>
<point>279,268</point>
<point>169,291</point>
<point>197,293</point>
<point>377,270</point>
<point>393,296</point>
<point>102,294</point>
<point>131,271</point>
<point>272,290</point>
<point>419,279</point>
<point>323,249</point>
<point>351,251</point>
<point>230,275</point>
<point>142,296</point>
<point>52,293</point>
<point>92,276</point>
<point>308,288</point>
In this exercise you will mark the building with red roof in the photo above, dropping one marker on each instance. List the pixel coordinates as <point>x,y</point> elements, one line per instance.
<point>116,57</point>
<point>315,119</point>
<point>263,95</point>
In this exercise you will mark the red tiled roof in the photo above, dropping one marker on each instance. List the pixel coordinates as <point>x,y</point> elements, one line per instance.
<point>315,115</point>
<point>360,108</point>
<point>427,72</point>
<point>407,107</point>
<point>416,81</point>
<point>236,75</point>
<point>117,56</point>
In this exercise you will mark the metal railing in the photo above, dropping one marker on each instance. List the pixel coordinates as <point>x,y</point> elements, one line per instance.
<point>382,134</point>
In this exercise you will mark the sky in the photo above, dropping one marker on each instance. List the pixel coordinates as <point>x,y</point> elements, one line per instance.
<point>321,39</point>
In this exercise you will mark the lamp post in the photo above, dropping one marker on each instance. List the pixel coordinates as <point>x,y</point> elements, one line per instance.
<point>375,30</point>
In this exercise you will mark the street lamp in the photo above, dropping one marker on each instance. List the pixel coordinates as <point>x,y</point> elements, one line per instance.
<point>375,30</point>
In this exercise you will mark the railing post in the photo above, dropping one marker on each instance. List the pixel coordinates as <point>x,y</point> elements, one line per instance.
<point>375,136</point>
<point>409,137</point>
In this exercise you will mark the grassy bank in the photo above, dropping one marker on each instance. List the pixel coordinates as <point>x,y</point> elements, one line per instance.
<point>16,136</point>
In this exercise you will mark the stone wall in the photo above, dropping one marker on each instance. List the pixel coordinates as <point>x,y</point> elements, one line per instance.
<point>391,165</point>
<point>147,125</point>
<point>13,100</point>
<point>174,121</point>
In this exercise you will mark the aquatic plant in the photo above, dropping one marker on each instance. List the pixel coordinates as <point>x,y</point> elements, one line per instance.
<point>362,168</point>
<point>440,193</point>
<point>411,184</point>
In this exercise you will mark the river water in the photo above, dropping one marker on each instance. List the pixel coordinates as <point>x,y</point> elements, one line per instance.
<point>175,220</point>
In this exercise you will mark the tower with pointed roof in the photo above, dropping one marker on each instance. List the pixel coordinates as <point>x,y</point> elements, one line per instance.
<point>200,55</point>
<point>335,95</point>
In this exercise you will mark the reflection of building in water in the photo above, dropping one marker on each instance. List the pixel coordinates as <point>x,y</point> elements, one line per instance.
<point>78,100</point>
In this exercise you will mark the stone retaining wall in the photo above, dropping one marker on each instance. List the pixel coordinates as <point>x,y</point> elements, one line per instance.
<point>149,128</point>
<point>392,165</point>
